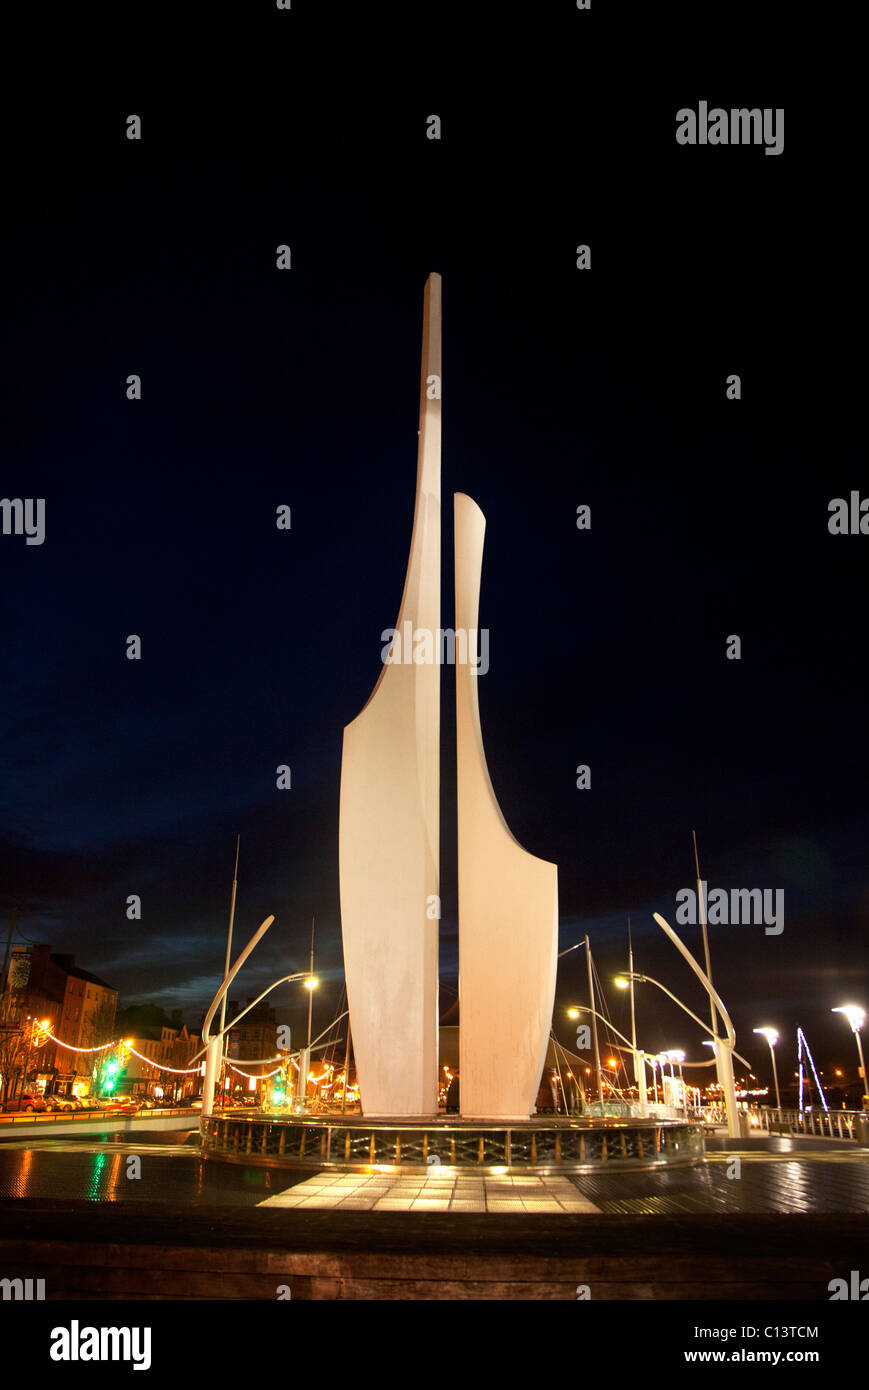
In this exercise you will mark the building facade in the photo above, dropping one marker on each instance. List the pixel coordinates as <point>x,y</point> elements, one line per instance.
<point>77,1007</point>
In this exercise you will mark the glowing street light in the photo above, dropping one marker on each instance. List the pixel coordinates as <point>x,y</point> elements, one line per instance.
<point>639,1057</point>
<point>856,1017</point>
<point>771,1036</point>
<point>725,1047</point>
<point>678,1057</point>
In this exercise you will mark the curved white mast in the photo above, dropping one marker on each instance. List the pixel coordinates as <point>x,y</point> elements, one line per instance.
<point>390,809</point>
<point>508,898</point>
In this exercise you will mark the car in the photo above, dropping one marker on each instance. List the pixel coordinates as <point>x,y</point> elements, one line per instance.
<point>63,1102</point>
<point>118,1105</point>
<point>28,1100</point>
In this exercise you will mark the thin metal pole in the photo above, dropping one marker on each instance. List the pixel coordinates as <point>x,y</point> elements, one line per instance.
<point>346,1070</point>
<point>560,1079</point>
<point>702,910</point>
<point>224,1042</point>
<point>310,991</point>
<point>774,1075</point>
<point>631,981</point>
<point>639,1063</point>
<point>594,1023</point>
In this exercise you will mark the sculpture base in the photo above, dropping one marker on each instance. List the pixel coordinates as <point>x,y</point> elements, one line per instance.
<point>532,1146</point>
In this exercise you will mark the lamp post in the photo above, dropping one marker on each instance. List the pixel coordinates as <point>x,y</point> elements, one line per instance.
<point>213,1044</point>
<point>229,952</point>
<point>678,1057</point>
<point>654,1065</point>
<point>725,1048</point>
<point>664,1058</point>
<point>639,1057</point>
<point>857,1017</point>
<point>305,1054</point>
<point>772,1038</point>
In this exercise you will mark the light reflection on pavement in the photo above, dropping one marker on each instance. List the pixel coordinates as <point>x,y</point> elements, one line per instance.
<point>175,1172</point>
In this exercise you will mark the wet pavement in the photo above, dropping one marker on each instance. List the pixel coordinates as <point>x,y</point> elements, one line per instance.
<point>173,1171</point>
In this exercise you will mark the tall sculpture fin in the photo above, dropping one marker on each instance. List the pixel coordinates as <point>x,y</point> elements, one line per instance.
<point>390,810</point>
<point>508,899</point>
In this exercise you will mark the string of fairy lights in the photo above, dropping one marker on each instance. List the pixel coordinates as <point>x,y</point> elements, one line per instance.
<point>42,1033</point>
<point>327,1080</point>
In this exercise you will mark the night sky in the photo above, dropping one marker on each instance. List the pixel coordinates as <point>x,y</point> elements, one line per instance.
<point>562,387</point>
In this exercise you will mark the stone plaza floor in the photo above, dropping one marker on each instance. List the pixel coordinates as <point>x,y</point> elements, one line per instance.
<point>437,1192</point>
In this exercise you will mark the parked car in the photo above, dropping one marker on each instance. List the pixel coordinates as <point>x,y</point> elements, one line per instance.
<point>28,1100</point>
<point>58,1102</point>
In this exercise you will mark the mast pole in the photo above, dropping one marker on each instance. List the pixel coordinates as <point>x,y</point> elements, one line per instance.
<point>594,1023</point>
<point>224,1041</point>
<point>701,905</point>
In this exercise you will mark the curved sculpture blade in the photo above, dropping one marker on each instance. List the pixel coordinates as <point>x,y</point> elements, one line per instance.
<point>389,815</point>
<point>508,898</point>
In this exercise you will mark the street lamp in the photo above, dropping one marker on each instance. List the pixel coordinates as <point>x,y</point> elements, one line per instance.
<point>638,1056</point>
<point>678,1057</point>
<point>653,1064</point>
<point>772,1038</point>
<point>213,1042</point>
<point>725,1048</point>
<point>856,1017</point>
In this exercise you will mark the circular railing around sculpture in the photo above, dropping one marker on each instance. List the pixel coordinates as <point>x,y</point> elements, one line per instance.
<point>339,1142</point>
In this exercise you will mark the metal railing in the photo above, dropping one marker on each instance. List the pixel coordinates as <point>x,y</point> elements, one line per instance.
<point>45,1117</point>
<point>336,1142</point>
<point>824,1124</point>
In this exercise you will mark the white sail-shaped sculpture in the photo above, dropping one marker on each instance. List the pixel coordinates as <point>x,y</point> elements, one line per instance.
<point>508,899</point>
<point>390,808</point>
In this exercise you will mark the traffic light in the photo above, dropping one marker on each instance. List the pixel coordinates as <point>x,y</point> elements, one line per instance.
<point>111,1076</point>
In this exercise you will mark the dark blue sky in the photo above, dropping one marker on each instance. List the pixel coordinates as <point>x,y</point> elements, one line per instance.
<point>561,387</point>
